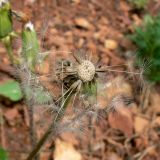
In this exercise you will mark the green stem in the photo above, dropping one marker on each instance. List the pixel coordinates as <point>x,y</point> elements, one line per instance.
<point>10,53</point>
<point>40,143</point>
<point>8,44</point>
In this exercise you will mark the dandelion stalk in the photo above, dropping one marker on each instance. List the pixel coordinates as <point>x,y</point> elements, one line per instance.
<point>33,133</point>
<point>50,130</point>
<point>40,143</point>
<point>30,51</point>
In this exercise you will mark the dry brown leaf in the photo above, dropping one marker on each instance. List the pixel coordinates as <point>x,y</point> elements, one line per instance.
<point>137,20</point>
<point>141,142</point>
<point>155,101</point>
<point>44,155</point>
<point>11,115</point>
<point>140,124</point>
<point>84,23</point>
<point>65,151</point>
<point>105,59</point>
<point>70,138</point>
<point>76,1</point>
<point>116,87</point>
<point>113,156</point>
<point>2,50</point>
<point>122,120</point>
<point>110,44</point>
<point>156,121</point>
<point>44,68</point>
<point>29,2</point>
<point>124,6</point>
<point>57,40</point>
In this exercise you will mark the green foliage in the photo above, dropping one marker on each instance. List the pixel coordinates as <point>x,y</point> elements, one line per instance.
<point>90,91</point>
<point>90,88</point>
<point>5,20</point>
<point>39,94</point>
<point>11,90</point>
<point>30,46</point>
<point>139,3</point>
<point>147,39</point>
<point>3,154</point>
<point>6,27</point>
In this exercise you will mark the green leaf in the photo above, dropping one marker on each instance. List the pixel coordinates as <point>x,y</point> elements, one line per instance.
<point>3,154</point>
<point>5,21</point>
<point>11,90</point>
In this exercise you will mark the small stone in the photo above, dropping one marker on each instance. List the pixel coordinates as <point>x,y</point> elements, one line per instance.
<point>110,44</point>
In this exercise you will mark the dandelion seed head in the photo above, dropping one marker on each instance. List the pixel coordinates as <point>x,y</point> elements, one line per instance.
<point>86,71</point>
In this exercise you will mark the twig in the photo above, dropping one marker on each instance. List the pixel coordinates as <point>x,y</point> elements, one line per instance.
<point>2,129</point>
<point>91,130</point>
<point>141,155</point>
<point>145,97</point>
